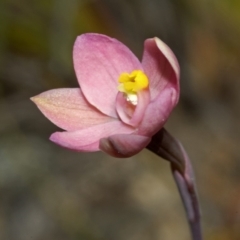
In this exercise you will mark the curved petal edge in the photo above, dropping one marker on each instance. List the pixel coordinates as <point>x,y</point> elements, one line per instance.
<point>158,112</point>
<point>88,139</point>
<point>98,62</point>
<point>124,145</point>
<point>68,109</point>
<point>161,66</point>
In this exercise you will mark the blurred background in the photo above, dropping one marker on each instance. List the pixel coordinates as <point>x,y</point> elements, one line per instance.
<point>50,193</point>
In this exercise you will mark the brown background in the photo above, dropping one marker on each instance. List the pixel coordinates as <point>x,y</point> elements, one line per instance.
<point>50,193</point>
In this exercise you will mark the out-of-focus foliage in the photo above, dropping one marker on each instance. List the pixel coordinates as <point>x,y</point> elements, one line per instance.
<point>51,193</point>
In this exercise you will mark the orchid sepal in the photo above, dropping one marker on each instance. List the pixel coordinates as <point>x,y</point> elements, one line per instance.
<point>137,109</point>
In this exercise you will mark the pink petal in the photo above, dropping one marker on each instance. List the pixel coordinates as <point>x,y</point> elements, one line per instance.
<point>98,62</point>
<point>158,112</point>
<point>161,66</point>
<point>124,145</point>
<point>68,109</point>
<point>130,114</point>
<point>88,139</point>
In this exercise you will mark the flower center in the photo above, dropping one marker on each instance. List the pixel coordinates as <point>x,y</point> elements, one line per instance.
<point>131,83</point>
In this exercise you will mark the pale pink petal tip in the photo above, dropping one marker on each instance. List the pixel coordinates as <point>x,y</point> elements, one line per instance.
<point>87,139</point>
<point>123,145</point>
<point>170,56</point>
<point>68,109</point>
<point>161,67</point>
<point>71,142</point>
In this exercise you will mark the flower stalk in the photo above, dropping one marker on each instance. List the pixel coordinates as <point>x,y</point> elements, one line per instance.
<point>167,147</point>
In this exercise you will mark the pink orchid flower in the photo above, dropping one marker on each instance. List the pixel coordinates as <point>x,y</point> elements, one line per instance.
<point>121,102</point>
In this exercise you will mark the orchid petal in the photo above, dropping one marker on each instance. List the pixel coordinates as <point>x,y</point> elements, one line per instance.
<point>129,113</point>
<point>68,109</point>
<point>98,62</point>
<point>88,139</point>
<point>161,66</point>
<point>158,112</point>
<point>123,145</point>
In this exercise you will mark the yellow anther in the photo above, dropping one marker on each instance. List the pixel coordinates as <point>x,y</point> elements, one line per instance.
<point>133,82</point>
